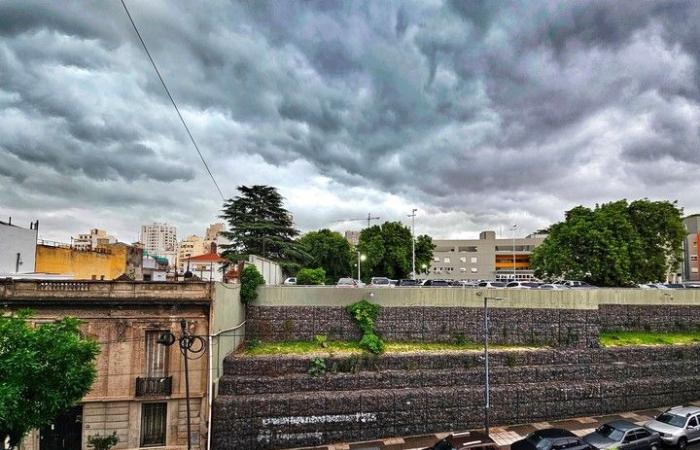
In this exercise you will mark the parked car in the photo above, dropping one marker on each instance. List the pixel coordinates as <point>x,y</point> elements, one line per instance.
<point>346,283</point>
<point>550,439</point>
<point>623,435</point>
<point>674,285</point>
<point>574,284</point>
<point>408,282</point>
<point>522,285</point>
<point>553,287</point>
<point>291,281</point>
<point>437,283</point>
<point>691,285</point>
<point>463,441</point>
<point>677,426</point>
<point>492,284</point>
<point>380,282</point>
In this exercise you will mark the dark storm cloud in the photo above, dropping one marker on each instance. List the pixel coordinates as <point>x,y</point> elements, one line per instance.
<point>455,105</point>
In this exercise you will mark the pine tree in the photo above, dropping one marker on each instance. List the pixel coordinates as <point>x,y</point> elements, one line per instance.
<point>260,225</point>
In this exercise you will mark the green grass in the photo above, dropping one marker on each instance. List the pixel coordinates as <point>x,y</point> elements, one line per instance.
<point>352,347</point>
<point>620,338</point>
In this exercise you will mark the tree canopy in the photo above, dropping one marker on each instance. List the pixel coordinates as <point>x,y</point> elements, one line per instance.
<point>330,251</point>
<point>258,224</point>
<point>44,370</point>
<point>614,244</point>
<point>388,249</point>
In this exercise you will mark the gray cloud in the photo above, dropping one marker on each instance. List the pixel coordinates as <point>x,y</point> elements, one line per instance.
<point>480,113</point>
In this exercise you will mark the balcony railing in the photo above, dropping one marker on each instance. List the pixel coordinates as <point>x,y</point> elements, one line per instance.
<point>154,386</point>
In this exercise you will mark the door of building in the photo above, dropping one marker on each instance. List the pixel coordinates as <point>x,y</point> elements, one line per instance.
<point>65,433</point>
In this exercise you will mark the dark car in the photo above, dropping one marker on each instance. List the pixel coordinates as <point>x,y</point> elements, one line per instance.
<point>464,441</point>
<point>550,439</point>
<point>623,435</point>
<point>437,283</point>
<point>409,282</point>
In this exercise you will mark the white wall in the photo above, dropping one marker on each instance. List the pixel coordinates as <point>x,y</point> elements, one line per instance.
<point>15,240</point>
<point>270,270</point>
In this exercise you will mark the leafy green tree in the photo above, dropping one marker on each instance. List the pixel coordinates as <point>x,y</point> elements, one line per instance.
<point>260,225</point>
<point>614,244</point>
<point>309,277</point>
<point>44,370</point>
<point>330,251</point>
<point>250,280</point>
<point>389,250</point>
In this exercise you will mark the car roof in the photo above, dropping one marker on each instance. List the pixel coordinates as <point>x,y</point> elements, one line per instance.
<point>623,425</point>
<point>554,433</point>
<point>684,410</point>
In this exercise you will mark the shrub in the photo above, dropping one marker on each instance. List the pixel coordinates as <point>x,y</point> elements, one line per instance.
<point>321,340</point>
<point>103,442</point>
<point>365,314</point>
<point>311,276</point>
<point>250,280</point>
<point>317,367</point>
<point>372,343</point>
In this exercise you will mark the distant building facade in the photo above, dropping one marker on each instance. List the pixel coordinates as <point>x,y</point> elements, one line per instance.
<point>353,237</point>
<point>18,248</point>
<point>691,269</point>
<point>486,258</point>
<point>193,245</point>
<point>159,239</point>
<point>94,239</point>
<point>107,262</point>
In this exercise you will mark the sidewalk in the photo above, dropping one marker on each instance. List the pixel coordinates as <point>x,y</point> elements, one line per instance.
<point>503,436</point>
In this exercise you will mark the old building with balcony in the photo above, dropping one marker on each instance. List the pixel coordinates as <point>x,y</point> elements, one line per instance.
<point>139,392</point>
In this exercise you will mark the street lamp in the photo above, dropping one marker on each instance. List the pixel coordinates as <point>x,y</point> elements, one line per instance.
<point>413,242</point>
<point>487,387</point>
<point>360,257</point>
<point>513,228</point>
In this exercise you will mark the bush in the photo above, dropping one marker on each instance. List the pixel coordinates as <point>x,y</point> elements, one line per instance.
<point>250,280</point>
<point>372,343</point>
<point>311,276</point>
<point>103,442</point>
<point>317,367</point>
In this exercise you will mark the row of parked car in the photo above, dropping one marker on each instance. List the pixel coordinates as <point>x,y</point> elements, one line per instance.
<point>382,282</point>
<point>677,427</point>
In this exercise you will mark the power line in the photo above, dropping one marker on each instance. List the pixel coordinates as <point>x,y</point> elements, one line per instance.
<point>167,91</point>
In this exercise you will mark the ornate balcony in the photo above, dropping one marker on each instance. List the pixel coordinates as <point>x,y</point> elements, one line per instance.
<point>154,386</point>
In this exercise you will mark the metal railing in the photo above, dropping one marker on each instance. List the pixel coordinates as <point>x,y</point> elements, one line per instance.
<point>154,386</point>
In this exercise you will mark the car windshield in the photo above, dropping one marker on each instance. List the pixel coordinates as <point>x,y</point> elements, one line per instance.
<point>539,442</point>
<point>346,281</point>
<point>380,281</point>
<point>498,284</point>
<point>672,419</point>
<point>610,432</point>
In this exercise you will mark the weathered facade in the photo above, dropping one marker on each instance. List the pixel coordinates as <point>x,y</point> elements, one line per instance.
<point>107,262</point>
<point>140,387</point>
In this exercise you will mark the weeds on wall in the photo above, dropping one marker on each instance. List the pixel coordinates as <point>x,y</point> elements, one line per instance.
<point>317,367</point>
<point>365,315</point>
<point>98,442</point>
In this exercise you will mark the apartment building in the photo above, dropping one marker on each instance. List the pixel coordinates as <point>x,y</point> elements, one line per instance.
<point>160,239</point>
<point>690,248</point>
<point>94,239</point>
<point>486,258</point>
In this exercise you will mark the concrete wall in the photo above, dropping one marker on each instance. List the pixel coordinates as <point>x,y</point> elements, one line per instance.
<point>227,313</point>
<point>83,264</point>
<point>270,270</point>
<point>272,403</point>
<point>15,240</point>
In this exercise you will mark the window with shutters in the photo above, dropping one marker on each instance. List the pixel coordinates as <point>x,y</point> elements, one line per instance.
<point>153,423</point>
<point>156,355</point>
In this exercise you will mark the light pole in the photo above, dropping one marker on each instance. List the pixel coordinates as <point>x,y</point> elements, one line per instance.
<point>487,386</point>
<point>513,228</point>
<point>413,242</point>
<point>360,257</point>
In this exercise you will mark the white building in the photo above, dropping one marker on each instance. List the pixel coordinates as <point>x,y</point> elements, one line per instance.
<point>92,240</point>
<point>18,248</point>
<point>159,239</point>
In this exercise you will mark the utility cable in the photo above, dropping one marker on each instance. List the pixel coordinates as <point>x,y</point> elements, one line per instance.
<point>167,91</point>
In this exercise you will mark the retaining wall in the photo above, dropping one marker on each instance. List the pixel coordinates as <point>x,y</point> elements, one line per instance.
<point>272,402</point>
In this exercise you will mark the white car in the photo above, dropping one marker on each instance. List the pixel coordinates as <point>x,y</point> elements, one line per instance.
<point>492,284</point>
<point>382,282</point>
<point>522,285</point>
<point>346,283</point>
<point>553,287</point>
<point>291,281</point>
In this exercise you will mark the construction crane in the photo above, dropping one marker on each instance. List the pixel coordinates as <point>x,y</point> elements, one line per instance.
<point>369,220</point>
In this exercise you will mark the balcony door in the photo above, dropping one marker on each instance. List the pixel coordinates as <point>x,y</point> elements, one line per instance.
<point>65,433</point>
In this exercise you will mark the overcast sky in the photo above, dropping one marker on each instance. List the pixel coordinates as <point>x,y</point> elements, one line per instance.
<point>480,114</point>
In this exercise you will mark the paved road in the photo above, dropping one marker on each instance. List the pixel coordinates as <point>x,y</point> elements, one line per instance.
<point>504,436</point>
